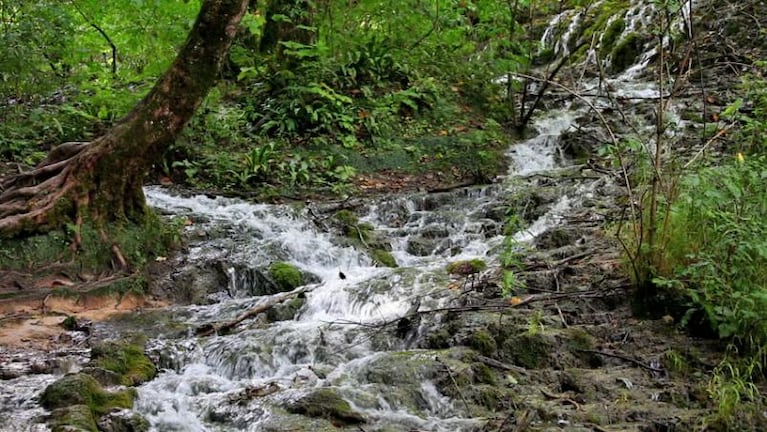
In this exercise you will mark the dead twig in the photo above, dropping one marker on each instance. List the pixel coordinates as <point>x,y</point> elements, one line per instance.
<point>455,383</point>
<point>560,398</point>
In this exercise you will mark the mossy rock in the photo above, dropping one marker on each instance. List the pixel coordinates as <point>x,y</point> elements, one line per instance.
<point>82,389</point>
<point>125,358</point>
<point>626,52</point>
<point>328,404</point>
<point>531,351</point>
<point>105,377</point>
<point>483,342</point>
<point>465,268</point>
<point>286,277</point>
<point>347,217</point>
<point>384,257</point>
<point>610,37</point>
<point>75,418</point>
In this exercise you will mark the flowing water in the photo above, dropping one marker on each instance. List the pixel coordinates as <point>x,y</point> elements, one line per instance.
<point>333,341</point>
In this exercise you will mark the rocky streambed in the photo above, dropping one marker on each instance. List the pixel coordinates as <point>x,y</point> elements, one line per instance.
<point>390,313</point>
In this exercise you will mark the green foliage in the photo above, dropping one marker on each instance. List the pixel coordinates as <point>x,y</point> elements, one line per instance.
<point>511,256</point>
<point>716,248</point>
<point>751,112</point>
<point>383,257</point>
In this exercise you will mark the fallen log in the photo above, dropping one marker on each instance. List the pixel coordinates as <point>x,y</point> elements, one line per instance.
<point>224,327</point>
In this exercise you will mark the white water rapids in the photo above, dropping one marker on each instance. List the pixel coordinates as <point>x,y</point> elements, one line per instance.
<point>332,342</point>
<point>329,335</point>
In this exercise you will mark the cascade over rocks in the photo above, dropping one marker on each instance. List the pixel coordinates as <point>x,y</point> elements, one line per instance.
<point>557,349</point>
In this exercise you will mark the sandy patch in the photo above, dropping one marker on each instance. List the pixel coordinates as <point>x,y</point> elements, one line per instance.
<point>36,324</point>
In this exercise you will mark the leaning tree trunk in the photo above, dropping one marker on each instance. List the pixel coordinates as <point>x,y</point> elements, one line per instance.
<point>102,180</point>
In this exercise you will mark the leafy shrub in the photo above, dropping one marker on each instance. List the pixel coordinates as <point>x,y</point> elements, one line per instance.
<point>717,248</point>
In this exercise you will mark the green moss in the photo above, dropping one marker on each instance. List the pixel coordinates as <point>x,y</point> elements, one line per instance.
<point>610,37</point>
<point>483,374</point>
<point>326,403</point>
<point>137,242</point>
<point>75,417</point>
<point>82,389</point>
<point>465,268</point>
<point>347,217</point>
<point>126,358</point>
<point>579,339</point>
<point>489,396</point>
<point>483,342</point>
<point>384,258</point>
<point>286,276</point>
<point>530,351</point>
<point>626,52</point>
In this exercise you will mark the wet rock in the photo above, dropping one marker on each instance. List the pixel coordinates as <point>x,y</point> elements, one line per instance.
<point>421,246</point>
<point>123,421</point>
<point>286,311</point>
<point>191,284</point>
<point>328,404</point>
<point>556,237</point>
<point>75,418</point>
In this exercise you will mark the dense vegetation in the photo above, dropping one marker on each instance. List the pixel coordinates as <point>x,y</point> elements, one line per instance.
<point>312,94</point>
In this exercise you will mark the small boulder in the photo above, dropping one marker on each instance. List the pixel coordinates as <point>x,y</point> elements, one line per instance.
<point>123,421</point>
<point>125,358</point>
<point>75,418</point>
<point>328,404</point>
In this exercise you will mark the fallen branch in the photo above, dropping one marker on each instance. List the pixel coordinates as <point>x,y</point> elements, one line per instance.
<point>211,328</point>
<point>500,365</point>
<point>622,357</point>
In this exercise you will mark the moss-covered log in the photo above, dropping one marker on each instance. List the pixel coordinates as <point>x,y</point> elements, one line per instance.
<point>101,181</point>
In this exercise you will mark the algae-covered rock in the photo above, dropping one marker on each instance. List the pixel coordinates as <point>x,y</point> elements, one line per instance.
<point>105,377</point>
<point>531,351</point>
<point>626,52</point>
<point>126,358</point>
<point>483,342</point>
<point>465,268</point>
<point>82,389</point>
<point>75,418</point>
<point>326,403</point>
<point>286,277</point>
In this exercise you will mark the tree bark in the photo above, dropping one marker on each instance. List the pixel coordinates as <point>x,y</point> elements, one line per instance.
<point>102,180</point>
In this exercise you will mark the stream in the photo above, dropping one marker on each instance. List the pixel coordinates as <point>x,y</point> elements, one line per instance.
<point>334,341</point>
